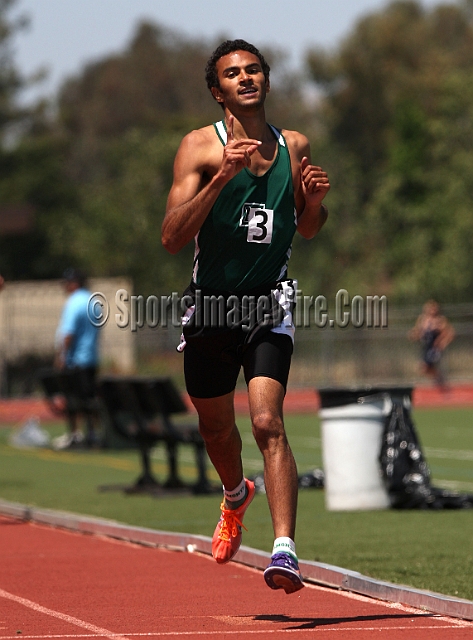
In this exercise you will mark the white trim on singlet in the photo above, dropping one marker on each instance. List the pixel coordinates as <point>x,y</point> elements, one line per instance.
<point>279,136</point>
<point>223,133</point>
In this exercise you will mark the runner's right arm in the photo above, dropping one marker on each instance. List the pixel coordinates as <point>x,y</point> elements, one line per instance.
<point>191,199</point>
<point>188,202</point>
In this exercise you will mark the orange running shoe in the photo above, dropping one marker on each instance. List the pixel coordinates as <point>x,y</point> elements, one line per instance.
<point>227,535</point>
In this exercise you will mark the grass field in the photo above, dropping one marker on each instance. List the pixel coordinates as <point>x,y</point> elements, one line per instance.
<point>424,549</point>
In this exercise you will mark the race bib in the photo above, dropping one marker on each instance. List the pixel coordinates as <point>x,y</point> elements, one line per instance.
<point>259,221</point>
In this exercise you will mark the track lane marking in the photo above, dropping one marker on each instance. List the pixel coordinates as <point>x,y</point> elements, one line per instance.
<point>163,634</point>
<point>60,616</point>
<point>418,612</point>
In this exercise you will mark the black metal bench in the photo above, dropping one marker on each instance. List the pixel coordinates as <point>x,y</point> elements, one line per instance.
<point>140,409</point>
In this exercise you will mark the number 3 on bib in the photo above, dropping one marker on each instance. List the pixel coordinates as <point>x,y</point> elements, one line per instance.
<point>260,225</point>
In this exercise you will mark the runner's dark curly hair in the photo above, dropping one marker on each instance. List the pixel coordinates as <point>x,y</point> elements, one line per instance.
<point>229,46</point>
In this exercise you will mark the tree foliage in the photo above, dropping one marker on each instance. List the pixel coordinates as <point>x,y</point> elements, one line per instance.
<point>32,175</point>
<point>11,80</point>
<point>152,85</point>
<point>398,101</point>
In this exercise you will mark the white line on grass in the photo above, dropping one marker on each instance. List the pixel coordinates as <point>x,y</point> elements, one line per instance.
<point>453,485</point>
<point>449,454</point>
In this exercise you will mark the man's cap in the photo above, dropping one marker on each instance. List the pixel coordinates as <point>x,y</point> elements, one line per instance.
<point>74,275</point>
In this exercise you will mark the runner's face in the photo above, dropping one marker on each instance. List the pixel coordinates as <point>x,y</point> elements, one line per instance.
<point>242,81</point>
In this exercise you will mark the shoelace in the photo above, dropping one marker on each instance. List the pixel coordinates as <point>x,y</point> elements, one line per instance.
<point>230,524</point>
<point>286,561</point>
<point>284,558</point>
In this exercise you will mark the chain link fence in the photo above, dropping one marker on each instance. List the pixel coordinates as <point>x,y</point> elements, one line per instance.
<point>29,316</point>
<point>333,356</point>
<point>329,356</point>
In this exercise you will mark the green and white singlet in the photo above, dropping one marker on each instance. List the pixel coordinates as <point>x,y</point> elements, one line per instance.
<point>245,241</point>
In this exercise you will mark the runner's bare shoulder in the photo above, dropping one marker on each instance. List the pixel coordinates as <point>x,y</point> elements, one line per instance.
<point>297,142</point>
<point>201,147</point>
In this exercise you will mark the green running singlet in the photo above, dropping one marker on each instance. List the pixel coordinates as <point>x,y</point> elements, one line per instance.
<point>245,241</point>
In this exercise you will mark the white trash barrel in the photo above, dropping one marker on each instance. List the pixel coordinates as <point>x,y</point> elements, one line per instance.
<point>352,434</point>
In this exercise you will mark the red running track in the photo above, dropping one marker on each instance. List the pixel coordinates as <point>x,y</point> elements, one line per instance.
<point>59,584</point>
<point>305,400</point>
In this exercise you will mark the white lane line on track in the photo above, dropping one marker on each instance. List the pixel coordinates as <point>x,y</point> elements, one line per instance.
<point>454,622</point>
<point>97,631</point>
<point>163,634</point>
<point>351,595</point>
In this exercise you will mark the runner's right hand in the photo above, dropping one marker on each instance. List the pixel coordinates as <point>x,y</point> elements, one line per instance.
<point>236,153</point>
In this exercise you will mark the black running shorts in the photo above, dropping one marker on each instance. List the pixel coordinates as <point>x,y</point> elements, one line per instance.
<point>84,389</point>
<point>212,361</point>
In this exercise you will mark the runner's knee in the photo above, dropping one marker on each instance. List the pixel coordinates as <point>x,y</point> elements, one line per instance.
<point>216,431</point>
<point>268,428</point>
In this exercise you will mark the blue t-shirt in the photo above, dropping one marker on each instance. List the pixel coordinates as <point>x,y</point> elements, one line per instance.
<point>75,322</point>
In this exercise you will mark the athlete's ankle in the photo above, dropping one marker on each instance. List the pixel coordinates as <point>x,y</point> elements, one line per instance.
<point>285,545</point>
<point>234,498</point>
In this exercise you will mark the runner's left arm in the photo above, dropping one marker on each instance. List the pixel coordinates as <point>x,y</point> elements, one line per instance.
<point>311,187</point>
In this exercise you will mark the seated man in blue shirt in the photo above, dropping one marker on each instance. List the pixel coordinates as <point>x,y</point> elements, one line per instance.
<point>77,354</point>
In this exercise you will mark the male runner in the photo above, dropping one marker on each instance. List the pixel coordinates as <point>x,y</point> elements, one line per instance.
<point>241,189</point>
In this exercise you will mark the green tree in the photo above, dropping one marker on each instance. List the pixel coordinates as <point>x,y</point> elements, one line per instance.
<point>155,84</point>
<point>32,176</point>
<point>11,81</point>
<point>117,229</point>
<point>398,105</point>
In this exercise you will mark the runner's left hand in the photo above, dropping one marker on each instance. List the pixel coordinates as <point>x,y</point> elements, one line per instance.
<point>315,182</point>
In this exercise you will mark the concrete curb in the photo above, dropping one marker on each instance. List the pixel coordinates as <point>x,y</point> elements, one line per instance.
<point>315,572</point>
